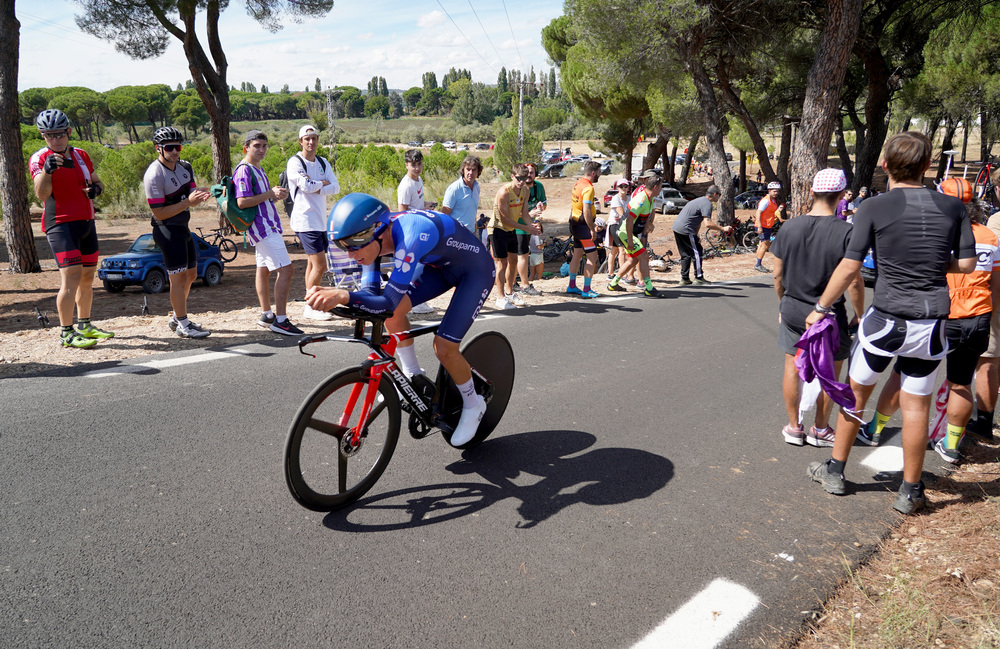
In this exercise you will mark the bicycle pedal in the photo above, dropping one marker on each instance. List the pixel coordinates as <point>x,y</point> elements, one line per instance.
<point>418,429</point>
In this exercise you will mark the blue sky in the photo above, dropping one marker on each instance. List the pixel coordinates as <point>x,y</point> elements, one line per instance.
<point>357,40</point>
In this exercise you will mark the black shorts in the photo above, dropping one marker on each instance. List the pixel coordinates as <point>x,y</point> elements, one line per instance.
<point>968,338</point>
<point>503,243</point>
<point>582,236</point>
<point>73,243</point>
<point>177,245</point>
<point>522,243</point>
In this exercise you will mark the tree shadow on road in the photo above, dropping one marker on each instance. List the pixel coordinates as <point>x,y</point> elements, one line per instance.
<point>547,471</point>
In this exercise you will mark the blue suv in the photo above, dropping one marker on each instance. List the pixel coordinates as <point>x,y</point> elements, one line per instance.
<point>142,264</point>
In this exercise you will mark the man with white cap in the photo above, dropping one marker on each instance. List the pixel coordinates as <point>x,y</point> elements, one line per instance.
<point>768,210</point>
<point>310,181</point>
<point>806,252</point>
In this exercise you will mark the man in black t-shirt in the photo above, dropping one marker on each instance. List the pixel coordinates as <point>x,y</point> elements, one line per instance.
<point>806,251</point>
<point>915,232</point>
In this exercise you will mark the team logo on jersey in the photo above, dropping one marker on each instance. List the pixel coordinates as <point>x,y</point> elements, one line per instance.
<point>424,236</point>
<point>404,260</point>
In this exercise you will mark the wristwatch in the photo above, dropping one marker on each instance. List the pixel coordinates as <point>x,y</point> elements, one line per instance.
<point>819,308</point>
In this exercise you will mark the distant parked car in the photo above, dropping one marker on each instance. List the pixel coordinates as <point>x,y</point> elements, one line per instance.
<point>554,170</point>
<point>609,195</point>
<point>413,143</point>
<point>482,147</point>
<point>463,147</point>
<point>143,264</point>
<point>606,167</point>
<point>869,272</point>
<point>551,156</point>
<point>669,201</point>
<point>729,156</point>
<point>449,144</point>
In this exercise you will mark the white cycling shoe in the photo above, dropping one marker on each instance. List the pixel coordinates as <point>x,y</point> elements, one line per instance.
<point>468,423</point>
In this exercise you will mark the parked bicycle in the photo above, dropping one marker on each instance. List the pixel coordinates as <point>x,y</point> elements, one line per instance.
<point>984,188</point>
<point>227,247</point>
<point>344,433</point>
<point>557,249</point>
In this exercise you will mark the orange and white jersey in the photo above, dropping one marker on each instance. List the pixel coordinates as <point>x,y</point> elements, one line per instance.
<point>970,293</point>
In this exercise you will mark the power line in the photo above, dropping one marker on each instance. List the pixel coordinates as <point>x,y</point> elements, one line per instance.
<point>487,35</point>
<point>465,37</point>
<point>512,34</point>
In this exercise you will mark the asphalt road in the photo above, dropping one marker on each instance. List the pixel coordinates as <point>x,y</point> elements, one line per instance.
<point>638,484</point>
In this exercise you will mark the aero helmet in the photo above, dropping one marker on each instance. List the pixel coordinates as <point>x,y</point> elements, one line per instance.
<point>356,220</point>
<point>166,134</point>
<point>957,187</point>
<point>52,119</point>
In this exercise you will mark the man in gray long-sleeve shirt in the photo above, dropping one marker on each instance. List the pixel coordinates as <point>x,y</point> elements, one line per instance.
<point>686,228</point>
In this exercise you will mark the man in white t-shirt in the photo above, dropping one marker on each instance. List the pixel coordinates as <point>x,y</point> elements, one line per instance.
<point>410,196</point>
<point>310,181</point>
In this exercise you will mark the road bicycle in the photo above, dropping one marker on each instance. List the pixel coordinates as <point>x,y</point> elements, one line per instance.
<point>344,433</point>
<point>557,248</point>
<point>227,247</point>
<point>984,185</point>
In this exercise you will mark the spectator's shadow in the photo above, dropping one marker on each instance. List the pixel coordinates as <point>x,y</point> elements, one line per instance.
<point>547,471</point>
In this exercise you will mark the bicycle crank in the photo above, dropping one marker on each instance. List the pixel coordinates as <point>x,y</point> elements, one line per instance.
<point>418,429</point>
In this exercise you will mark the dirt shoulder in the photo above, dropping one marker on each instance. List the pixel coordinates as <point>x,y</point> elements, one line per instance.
<point>230,310</point>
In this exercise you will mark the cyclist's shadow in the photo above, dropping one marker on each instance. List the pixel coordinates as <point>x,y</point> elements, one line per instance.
<point>568,476</point>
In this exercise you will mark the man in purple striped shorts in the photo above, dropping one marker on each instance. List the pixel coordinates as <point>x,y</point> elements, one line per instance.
<point>253,190</point>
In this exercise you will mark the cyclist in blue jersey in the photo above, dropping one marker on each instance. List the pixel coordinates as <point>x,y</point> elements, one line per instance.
<point>451,256</point>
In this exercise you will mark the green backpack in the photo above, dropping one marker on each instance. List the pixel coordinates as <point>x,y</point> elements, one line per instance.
<point>225,196</point>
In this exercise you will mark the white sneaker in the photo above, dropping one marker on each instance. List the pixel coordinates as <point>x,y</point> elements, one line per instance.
<point>468,423</point>
<point>423,307</point>
<point>314,314</point>
<point>504,303</point>
<point>516,299</point>
<point>192,330</point>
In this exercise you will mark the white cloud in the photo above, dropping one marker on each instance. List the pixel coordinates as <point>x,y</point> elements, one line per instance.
<point>433,19</point>
<point>367,36</point>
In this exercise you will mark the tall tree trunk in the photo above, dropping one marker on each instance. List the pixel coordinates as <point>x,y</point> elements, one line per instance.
<point>655,149</point>
<point>876,111</point>
<point>965,136</point>
<point>785,150</point>
<point>826,78</point>
<point>668,163</point>
<point>845,156</point>
<point>950,125</point>
<point>13,189</point>
<point>743,172</point>
<point>984,129</point>
<point>686,168</point>
<point>711,120</point>
<point>735,103</point>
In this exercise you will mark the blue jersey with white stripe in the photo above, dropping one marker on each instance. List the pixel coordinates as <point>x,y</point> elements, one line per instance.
<point>421,238</point>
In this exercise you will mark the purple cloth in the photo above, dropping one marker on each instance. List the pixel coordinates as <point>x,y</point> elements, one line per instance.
<point>841,206</point>
<point>816,362</point>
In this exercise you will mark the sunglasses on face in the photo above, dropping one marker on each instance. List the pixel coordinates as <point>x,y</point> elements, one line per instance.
<point>55,135</point>
<point>359,240</point>
<point>520,178</point>
<point>170,148</point>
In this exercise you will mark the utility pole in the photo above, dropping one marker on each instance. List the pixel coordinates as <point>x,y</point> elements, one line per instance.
<point>520,119</point>
<point>333,130</point>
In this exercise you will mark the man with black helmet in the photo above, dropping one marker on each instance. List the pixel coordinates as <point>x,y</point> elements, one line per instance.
<point>66,185</point>
<point>171,192</point>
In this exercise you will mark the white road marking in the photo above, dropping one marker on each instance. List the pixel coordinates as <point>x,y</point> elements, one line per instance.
<point>885,458</point>
<point>166,362</point>
<point>705,620</point>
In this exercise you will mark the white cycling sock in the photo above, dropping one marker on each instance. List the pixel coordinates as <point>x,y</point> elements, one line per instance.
<point>469,396</point>
<point>408,359</point>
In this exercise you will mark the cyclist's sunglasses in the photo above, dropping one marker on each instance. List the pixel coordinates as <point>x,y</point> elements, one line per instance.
<point>55,135</point>
<point>521,178</point>
<point>170,148</point>
<point>359,240</point>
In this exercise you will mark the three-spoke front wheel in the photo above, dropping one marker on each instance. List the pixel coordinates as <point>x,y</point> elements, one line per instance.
<point>323,469</point>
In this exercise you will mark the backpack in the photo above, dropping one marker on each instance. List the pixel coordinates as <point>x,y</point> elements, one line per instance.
<point>225,196</point>
<point>289,201</point>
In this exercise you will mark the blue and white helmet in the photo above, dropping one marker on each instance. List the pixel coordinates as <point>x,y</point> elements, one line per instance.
<point>356,220</point>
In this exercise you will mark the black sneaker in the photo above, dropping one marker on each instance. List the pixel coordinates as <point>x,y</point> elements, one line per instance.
<point>617,288</point>
<point>985,435</point>
<point>685,282</point>
<point>652,292</point>
<point>865,436</point>
<point>267,320</point>
<point>910,503</point>
<point>761,269</point>
<point>701,280</point>
<point>834,484</point>
<point>285,328</point>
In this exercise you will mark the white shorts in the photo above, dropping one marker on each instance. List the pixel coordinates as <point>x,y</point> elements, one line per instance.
<point>918,346</point>
<point>272,253</point>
